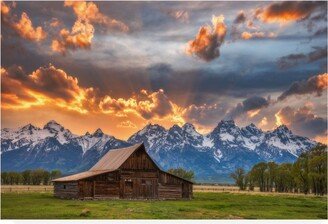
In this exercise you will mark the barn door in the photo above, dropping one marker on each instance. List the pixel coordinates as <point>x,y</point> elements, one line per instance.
<point>87,189</point>
<point>128,188</point>
<point>185,190</point>
<point>149,188</point>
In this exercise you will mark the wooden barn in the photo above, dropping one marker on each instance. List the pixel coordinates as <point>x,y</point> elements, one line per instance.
<point>127,173</point>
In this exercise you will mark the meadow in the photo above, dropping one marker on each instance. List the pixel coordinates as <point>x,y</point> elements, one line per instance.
<point>205,205</point>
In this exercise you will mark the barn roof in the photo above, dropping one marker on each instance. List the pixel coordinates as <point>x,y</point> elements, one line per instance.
<point>114,158</point>
<point>111,161</point>
<point>82,175</point>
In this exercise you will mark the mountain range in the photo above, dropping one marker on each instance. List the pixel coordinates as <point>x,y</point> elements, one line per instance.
<point>212,156</point>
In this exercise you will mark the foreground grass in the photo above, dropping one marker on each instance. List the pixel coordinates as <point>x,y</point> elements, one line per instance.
<point>203,206</point>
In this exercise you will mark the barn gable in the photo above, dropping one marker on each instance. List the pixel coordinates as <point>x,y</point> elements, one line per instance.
<point>140,160</point>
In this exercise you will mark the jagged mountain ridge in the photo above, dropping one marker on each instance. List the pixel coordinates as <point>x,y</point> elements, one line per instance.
<point>211,156</point>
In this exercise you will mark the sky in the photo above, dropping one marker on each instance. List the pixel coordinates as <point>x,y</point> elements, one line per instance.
<point>119,66</point>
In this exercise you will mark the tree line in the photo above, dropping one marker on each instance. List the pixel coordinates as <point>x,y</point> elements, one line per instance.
<point>29,177</point>
<point>180,172</point>
<point>307,175</point>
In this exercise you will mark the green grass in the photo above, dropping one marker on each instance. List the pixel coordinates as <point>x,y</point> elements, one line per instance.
<point>203,206</point>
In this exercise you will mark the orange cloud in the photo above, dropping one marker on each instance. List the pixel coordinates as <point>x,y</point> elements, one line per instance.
<point>154,105</point>
<point>23,27</point>
<point>46,85</point>
<point>5,9</point>
<point>54,22</point>
<point>82,32</point>
<point>257,35</point>
<point>208,40</point>
<point>26,30</point>
<point>79,37</point>
<point>288,11</point>
<point>126,124</point>
<point>52,86</point>
<point>89,11</point>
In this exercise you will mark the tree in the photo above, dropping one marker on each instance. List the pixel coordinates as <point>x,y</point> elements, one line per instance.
<point>55,174</point>
<point>258,175</point>
<point>27,177</point>
<point>37,176</point>
<point>180,172</point>
<point>45,177</point>
<point>271,175</point>
<point>240,178</point>
<point>301,173</point>
<point>318,169</point>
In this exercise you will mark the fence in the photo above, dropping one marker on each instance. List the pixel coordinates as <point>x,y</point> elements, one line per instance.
<point>26,188</point>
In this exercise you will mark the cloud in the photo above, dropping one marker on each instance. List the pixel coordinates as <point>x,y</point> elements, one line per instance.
<point>251,105</point>
<point>52,86</point>
<point>241,18</point>
<point>315,84</point>
<point>180,15</point>
<point>5,9</point>
<point>24,27</point>
<point>54,22</point>
<point>208,40</point>
<point>82,32</point>
<point>302,121</point>
<point>88,11</point>
<point>292,60</point>
<point>204,115</point>
<point>241,22</point>
<point>148,106</point>
<point>288,11</point>
<point>79,37</point>
<point>44,85</point>
<point>126,124</point>
<point>257,35</point>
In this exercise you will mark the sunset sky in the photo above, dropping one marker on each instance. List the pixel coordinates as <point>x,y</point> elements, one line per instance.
<point>121,65</point>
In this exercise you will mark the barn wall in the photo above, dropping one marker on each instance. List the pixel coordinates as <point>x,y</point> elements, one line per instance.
<point>172,187</point>
<point>66,190</point>
<point>139,184</point>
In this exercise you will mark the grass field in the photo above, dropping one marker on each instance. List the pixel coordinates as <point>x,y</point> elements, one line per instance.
<point>203,206</point>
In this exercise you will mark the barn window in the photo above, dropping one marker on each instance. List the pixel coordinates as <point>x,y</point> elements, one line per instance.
<point>64,186</point>
<point>148,182</point>
<point>128,183</point>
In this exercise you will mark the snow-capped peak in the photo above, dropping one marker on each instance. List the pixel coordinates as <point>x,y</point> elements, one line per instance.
<point>282,129</point>
<point>29,127</point>
<point>252,129</point>
<point>98,133</point>
<point>53,126</point>
<point>188,128</point>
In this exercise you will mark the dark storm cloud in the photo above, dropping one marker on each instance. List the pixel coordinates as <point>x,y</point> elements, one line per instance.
<point>205,114</point>
<point>320,32</point>
<point>303,121</point>
<point>292,60</point>
<point>252,103</point>
<point>315,84</point>
<point>241,18</point>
